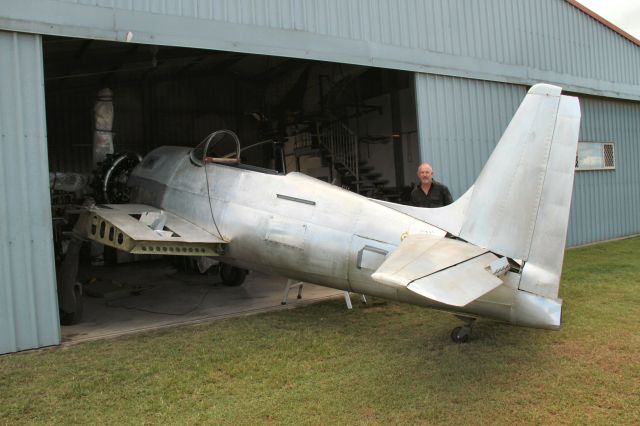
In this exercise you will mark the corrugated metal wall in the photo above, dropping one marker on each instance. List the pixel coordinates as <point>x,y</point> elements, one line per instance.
<point>550,35</point>
<point>515,41</point>
<point>28,301</point>
<point>606,202</point>
<point>461,121</point>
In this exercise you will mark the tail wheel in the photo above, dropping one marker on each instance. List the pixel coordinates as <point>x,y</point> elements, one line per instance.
<point>232,276</point>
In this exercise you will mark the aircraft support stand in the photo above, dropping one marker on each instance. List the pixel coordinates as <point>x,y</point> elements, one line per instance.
<point>347,299</point>
<point>290,284</point>
<point>70,290</point>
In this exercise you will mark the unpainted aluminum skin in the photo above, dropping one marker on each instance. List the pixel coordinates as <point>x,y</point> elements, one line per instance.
<point>496,252</point>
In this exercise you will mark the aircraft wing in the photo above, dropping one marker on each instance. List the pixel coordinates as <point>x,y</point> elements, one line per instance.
<point>449,271</point>
<point>142,229</point>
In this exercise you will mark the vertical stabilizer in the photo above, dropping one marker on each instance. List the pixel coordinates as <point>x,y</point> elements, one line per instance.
<point>541,273</point>
<point>519,205</point>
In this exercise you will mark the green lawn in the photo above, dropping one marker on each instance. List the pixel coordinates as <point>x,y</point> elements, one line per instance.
<point>386,363</point>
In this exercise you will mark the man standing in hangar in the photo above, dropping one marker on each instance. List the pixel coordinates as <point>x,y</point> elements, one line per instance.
<point>429,193</point>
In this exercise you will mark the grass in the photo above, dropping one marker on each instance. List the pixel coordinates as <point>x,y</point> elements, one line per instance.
<point>387,363</point>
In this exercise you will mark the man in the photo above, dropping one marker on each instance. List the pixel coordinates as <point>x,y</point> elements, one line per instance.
<point>429,193</point>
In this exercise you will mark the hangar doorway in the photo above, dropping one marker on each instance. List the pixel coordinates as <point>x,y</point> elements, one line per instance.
<point>350,125</point>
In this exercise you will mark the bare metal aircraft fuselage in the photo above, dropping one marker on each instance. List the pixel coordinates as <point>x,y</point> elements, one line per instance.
<point>294,225</point>
<point>496,252</point>
<point>306,229</point>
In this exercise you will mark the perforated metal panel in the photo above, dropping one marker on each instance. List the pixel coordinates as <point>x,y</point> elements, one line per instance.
<point>609,157</point>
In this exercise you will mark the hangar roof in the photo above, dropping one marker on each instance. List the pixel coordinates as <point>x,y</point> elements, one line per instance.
<point>604,21</point>
<point>520,42</point>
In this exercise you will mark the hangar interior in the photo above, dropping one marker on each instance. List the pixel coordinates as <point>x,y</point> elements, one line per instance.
<point>176,96</point>
<point>350,125</point>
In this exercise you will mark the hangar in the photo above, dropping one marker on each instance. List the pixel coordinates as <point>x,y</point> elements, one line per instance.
<point>387,84</point>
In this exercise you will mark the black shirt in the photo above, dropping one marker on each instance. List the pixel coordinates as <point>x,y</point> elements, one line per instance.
<point>437,196</point>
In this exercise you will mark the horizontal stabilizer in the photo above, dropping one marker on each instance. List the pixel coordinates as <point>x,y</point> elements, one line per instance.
<point>445,270</point>
<point>142,229</point>
<point>459,285</point>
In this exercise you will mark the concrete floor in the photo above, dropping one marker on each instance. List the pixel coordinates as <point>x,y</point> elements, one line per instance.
<point>149,295</point>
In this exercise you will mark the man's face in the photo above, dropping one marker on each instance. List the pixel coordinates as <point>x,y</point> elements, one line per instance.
<point>425,174</point>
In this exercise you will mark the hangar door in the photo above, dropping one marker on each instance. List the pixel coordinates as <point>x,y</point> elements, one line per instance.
<point>28,303</point>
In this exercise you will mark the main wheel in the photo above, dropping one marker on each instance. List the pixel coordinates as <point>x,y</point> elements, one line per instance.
<point>232,276</point>
<point>459,335</point>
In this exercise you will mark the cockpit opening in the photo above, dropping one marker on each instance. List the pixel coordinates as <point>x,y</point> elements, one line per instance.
<point>221,146</point>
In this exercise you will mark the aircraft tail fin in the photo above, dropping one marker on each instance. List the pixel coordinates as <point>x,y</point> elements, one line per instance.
<point>519,205</point>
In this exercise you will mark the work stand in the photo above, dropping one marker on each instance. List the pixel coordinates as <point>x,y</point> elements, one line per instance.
<point>292,284</point>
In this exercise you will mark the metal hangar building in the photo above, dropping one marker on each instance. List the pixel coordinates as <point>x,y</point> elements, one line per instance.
<point>396,82</point>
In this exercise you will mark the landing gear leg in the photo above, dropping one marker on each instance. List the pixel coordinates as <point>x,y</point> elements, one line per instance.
<point>462,334</point>
<point>232,276</point>
<point>69,290</point>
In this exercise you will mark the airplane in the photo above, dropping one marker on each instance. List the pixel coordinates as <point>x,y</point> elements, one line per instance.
<point>496,252</point>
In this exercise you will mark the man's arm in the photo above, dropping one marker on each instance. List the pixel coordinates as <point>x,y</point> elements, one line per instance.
<point>446,196</point>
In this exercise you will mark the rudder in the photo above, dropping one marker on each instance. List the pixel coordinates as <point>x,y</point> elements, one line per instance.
<point>519,205</point>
